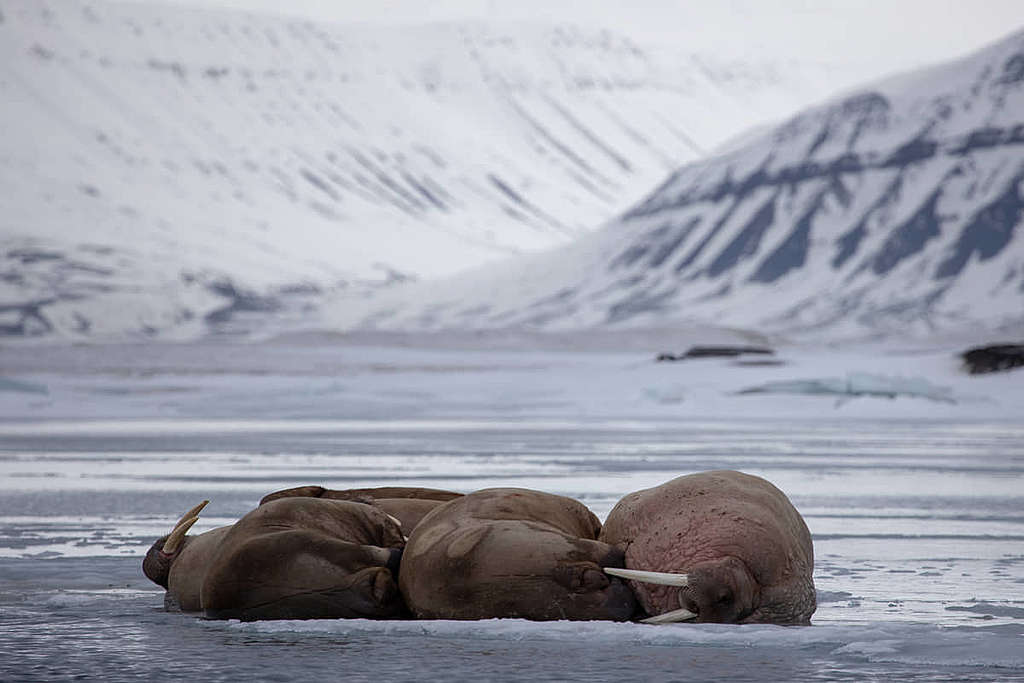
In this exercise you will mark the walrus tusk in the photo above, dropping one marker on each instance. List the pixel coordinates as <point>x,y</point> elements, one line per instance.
<point>394,519</point>
<point>181,528</point>
<point>672,617</point>
<point>660,578</point>
<point>194,512</point>
<point>178,535</point>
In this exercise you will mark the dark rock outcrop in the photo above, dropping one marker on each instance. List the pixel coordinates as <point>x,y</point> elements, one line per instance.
<point>995,358</point>
<point>717,352</point>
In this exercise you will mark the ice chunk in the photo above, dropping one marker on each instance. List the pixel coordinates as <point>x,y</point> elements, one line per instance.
<point>990,610</point>
<point>22,387</point>
<point>858,384</point>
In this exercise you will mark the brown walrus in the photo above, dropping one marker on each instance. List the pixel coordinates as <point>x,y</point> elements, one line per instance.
<point>408,504</point>
<point>293,558</point>
<point>715,547</point>
<point>512,553</point>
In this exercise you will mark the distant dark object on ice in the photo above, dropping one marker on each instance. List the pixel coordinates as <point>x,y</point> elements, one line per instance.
<point>760,362</point>
<point>717,352</point>
<point>993,358</point>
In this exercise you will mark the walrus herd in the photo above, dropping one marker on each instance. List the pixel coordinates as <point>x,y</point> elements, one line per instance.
<point>720,546</point>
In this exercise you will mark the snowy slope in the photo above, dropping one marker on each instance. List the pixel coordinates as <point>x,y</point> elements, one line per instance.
<point>898,208</point>
<point>165,169</point>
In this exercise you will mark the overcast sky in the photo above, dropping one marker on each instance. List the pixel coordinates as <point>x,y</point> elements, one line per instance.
<point>900,33</point>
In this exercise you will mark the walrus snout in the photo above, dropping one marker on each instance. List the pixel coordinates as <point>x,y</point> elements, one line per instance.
<point>156,565</point>
<point>612,596</point>
<point>620,603</point>
<point>722,591</point>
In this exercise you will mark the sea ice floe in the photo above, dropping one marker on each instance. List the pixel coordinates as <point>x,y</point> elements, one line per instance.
<point>903,643</point>
<point>988,609</point>
<point>857,384</point>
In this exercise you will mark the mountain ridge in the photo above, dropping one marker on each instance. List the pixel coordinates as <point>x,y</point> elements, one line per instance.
<point>891,210</point>
<point>163,162</point>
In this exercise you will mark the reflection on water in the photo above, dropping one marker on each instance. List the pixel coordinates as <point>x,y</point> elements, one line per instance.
<point>918,531</point>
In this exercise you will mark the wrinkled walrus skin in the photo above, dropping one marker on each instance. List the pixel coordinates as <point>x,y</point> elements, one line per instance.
<point>294,558</point>
<point>745,548</point>
<point>362,495</point>
<point>512,553</point>
<point>185,579</point>
<point>306,558</point>
<point>408,504</point>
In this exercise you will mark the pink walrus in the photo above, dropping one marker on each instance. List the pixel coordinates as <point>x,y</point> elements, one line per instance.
<point>717,546</point>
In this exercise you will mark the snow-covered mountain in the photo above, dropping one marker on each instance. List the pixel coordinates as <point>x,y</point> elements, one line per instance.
<point>166,169</point>
<point>898,208</point>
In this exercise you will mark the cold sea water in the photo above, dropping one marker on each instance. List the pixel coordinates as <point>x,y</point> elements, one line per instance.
<point>918,530</point>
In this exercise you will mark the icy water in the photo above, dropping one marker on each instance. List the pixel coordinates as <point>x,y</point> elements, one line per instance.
<point>918,529</point>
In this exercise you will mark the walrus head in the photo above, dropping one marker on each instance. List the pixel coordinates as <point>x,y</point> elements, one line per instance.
<point>721,591</point>
<point>157,563</point>
<point>719,546</point>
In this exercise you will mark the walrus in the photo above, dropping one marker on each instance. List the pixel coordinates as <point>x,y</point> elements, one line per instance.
<point>511,552</point>
<point>717,546</point>
<point>293,558</point>
<point>408,504</point>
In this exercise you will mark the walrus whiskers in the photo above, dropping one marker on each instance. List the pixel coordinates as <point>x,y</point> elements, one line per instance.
<point>659,578</point>
<point>672,617</point>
